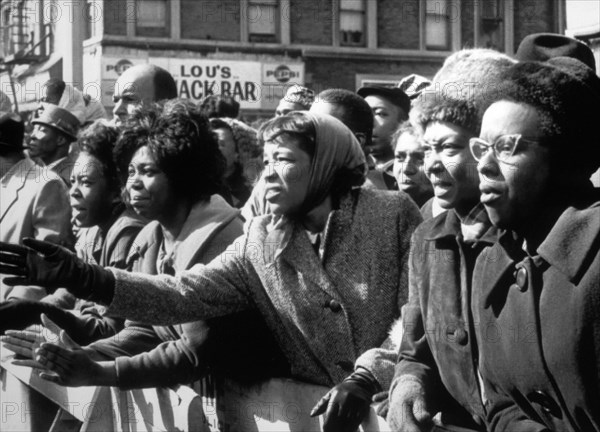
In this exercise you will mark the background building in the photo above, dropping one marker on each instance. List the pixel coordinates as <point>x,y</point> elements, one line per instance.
<point>583,22</point>
<point>255,49</point>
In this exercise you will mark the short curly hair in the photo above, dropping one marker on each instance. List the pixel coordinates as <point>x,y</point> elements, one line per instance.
<point>99,140</point>
<point>220,106</point>
<point>181,141</point>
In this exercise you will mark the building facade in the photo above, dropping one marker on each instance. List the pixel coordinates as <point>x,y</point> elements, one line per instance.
<point>255,49</point>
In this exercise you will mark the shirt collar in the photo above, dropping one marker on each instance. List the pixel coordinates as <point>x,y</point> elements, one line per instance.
<point>56,162</point>
<point>448,225</point>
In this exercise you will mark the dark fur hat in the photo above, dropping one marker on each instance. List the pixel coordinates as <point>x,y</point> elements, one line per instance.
<point>566,94</point>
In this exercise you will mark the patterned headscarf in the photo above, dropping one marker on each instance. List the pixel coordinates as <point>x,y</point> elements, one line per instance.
<point>336,148</point>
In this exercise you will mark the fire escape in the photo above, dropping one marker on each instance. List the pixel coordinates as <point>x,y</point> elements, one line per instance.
<point>24,38</point>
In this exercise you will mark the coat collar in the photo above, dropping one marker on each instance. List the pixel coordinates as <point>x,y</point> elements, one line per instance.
<point>570,244</point>
<point>447,226</point>
<point>569,247</point>
<point>206,219</point>
<point>13,181</point>
<point>300,254</point>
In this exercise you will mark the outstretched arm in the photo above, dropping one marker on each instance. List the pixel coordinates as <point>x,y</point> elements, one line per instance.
<point>219,288</point>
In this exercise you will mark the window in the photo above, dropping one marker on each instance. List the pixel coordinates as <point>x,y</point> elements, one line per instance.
<point>492,29</point>
<point>437,25</point>
<point>93,15</point>
<point>352,23</point>
<point>151,13</point>
<point>263,20</point>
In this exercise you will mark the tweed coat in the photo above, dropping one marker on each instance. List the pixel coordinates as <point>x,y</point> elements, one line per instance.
<point>34,202</point>
<point>539,328</point>
<point>438,347</point>
<point>324,311</point>
<point>166,355</point>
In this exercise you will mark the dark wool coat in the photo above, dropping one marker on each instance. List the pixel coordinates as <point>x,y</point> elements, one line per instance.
<point>438,345</point>
<point>539,328</point>
<point>324,312</point>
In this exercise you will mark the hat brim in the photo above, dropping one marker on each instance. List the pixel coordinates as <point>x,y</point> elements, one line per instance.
<point>64,131</point>
<point>394,95</point>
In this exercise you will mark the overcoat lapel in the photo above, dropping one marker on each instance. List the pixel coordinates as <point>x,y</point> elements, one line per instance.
<point>300,254</point>
<point>10,193</point>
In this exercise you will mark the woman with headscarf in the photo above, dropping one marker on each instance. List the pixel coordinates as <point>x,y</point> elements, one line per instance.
<point>173,168</point>
<point>327,268</point>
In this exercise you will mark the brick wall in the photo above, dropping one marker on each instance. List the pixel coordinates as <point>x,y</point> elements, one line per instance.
<point>116,16</point>
<point>467,30</point>
<point>398,24</point>
<point>216,20</point>
<point>320,77</point>
<point>310,21</point>
<point>533,16</point>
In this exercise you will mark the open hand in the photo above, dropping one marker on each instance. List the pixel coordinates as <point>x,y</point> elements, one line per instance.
<point>36,263</point>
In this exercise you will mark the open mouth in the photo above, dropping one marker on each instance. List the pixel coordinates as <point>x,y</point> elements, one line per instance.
<point>489,195</point>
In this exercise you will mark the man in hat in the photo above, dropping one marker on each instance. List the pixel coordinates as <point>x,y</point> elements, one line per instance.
<point>54,131</point>
<point>390,107</point>
<point>139,85</point>
<point>34,201</point>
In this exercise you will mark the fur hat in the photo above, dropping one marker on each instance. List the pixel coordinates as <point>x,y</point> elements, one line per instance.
<point>545,46</point>
<point>462,89</point>
<point>567,95</point>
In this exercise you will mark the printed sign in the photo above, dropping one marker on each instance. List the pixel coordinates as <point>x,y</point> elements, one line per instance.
<point>254,85</point>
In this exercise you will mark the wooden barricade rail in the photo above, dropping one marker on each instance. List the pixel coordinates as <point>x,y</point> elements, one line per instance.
<point>29,403</point>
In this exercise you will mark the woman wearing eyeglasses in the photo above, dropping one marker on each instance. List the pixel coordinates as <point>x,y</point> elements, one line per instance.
<point>538,287</point>
<point>437,371</point>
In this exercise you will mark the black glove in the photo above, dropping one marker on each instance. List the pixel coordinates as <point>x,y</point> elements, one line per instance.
<point>52,266</point>
<point>347,404</point>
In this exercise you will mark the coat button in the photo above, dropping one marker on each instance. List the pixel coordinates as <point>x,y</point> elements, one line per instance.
<point>457,334</point>
<point>333,305</point>
<point>521,284</point>
<point>546,403</point>
<point>461,337</point>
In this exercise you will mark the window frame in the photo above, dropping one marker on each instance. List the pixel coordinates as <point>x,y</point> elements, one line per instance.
<point>276,17</point>
<point>166,24</point>
<point>363,13</point>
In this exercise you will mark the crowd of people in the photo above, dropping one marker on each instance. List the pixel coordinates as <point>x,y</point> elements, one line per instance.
<point>432,247</point>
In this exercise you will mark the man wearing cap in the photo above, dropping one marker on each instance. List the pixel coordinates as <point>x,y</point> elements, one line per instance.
<point>34,201</point>
<point>390,107</point>
<point>55,129</point>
